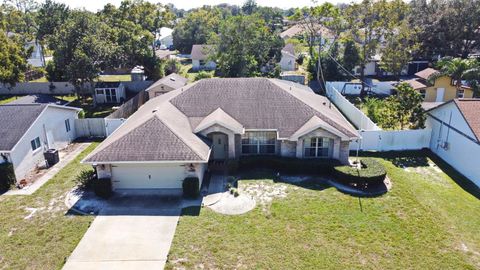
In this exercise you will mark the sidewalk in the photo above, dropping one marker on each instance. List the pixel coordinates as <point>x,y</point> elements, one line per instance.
<point>29,190</point>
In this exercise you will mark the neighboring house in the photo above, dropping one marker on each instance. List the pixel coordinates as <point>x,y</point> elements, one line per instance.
<point>166,84</point>
<point>201,55</point>
<point>175,135</point>
<point>110,92</point>
<point>373,68</point>
<point>28,130</point>
<point>165,38</point>
<point>441,90</point>
<point>288,60</point>
<point>298,30</point>
<point>455,137</point>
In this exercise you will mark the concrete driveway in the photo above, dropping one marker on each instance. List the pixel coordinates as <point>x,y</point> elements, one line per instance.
<point>133,232</point>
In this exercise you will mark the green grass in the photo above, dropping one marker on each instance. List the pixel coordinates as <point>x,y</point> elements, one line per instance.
<point>4,99</point>
<point>426,221</point>
<point>42,79</point>
<point>47,239</point>
<point>115,78</point>
<point>99,111</point>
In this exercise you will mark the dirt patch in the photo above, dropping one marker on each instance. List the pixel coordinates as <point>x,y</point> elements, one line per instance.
<point>86,202</point>
<point>263,192</point>
<point>231,205</point>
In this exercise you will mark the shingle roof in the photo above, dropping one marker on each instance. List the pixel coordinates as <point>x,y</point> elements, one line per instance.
<point>416,84</point>
<point>151,141</point>
<point>40,99</point>
<point>289,49</point>
<point>426,73</point>
<point>254,103</point>
<point>201,52</point>
<point>470,108</point>
<point>298,29</point>
<point>173,81</point>
<point>257,103</point>
<point>16,120</point>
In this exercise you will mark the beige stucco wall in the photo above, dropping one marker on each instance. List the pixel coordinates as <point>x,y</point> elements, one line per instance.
<point>230,135</point>
<point>450,90</point>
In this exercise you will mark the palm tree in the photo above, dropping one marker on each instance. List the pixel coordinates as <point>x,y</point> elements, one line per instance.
<point>459,70</point>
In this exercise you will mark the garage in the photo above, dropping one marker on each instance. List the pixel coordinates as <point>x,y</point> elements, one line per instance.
<point>148,176</point>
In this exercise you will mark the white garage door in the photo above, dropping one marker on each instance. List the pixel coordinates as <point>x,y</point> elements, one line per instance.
<point>148,176</point>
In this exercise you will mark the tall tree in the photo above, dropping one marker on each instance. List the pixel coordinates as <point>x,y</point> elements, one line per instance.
<point>245,45</point>
<point>83,48</point>
<point>351,58</point>
<point>13,59</point>
<point>370,21</point>
<point>196,28</point>
<point>399,47</point>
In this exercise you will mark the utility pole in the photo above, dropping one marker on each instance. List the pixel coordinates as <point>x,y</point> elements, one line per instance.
<point>319,65</point>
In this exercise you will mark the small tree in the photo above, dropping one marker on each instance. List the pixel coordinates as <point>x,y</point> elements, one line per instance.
<point>406,107</point>
<point>172,66</point>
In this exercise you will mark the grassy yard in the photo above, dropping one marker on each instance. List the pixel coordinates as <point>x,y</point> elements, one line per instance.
<point>427,221</point>
<point>4,99</point>
<point>46,239</point>
<point>115,78</point>
<point>99,111</point>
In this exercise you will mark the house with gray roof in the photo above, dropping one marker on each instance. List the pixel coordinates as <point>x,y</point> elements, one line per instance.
<point>28,130</point>
<point>288,60</point>
<point>166,84</point>
<point>202,57</point>
<point>177,134</point>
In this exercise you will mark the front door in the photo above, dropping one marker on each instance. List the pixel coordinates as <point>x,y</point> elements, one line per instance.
<point>440,94</point>
<point>220,146</point>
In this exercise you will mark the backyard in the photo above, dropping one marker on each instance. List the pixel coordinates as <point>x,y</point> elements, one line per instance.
<point>36,231</point>
<point>427,221</point>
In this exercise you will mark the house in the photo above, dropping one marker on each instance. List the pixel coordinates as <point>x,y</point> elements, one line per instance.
<point>175,135</point>
<point>373,68</point>
<point>288,60</point>
<point>165,38</point>
<point>441,90</point>
<point>28,130</point>
<point>455,135</point>
<point>298,30</point>
<point>201,55</point>
<point>109,92</point>
<point>166,84</point>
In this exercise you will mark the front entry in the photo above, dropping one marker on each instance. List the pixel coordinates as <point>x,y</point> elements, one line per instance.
<point>220,146</point>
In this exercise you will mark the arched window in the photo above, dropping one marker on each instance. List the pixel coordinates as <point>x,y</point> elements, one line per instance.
<point>317,147</point>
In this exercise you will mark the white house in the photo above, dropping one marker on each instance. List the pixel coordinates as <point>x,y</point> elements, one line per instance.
<point>165,38</point>
<point>176,134</point>
<point>110,92</point>
<point>28,130</point>
<point>455,137</point>
<point>201,55</point>
<point>288,60</point>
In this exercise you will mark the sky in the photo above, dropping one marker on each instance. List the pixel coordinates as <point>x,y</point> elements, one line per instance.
<point>94,5</point>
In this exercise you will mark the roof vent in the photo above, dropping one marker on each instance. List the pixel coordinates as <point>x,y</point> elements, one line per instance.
<point>172,79</point>
<point>154,111</point>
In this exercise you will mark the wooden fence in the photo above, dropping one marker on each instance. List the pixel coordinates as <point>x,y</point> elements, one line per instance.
<point>96,127</point>
<point>131,106</point>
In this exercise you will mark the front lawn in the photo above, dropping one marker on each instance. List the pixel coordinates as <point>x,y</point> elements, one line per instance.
<point>425,222</point>
<point>35,231</point>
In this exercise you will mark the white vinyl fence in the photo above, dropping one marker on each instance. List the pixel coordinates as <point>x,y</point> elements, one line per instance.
<point>392,140</point>
<point>349,88</point>
<point>352,113</point>
<point>96,127</point>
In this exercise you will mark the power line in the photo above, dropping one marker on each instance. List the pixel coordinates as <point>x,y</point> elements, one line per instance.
<point>348,72</point>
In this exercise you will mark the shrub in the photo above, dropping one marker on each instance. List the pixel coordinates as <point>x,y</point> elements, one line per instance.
<point>85,179</point>
<point>203,75</point>
<point>81,114</point>
<point>371,173</point>
<point>289,165</point>
<point>103,187</point>
<point>191,187</point>
<point>7,176</point>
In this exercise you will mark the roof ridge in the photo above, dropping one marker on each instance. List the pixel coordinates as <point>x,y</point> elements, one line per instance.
<point>179,137</point>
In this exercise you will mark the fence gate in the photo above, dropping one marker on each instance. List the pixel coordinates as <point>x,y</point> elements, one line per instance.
<point>90,127</point>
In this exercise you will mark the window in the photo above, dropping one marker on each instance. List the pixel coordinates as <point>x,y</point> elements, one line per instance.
<point>35,143</point>
<point>67,125</point>
<point>316,147</point>
<point>259,143</point>
<point>100,92</point>
<point>423,93</point>
<point>111,95</point>
<point>461,93</point>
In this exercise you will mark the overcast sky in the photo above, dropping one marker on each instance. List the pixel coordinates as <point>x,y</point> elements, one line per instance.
<point>95,5</point>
